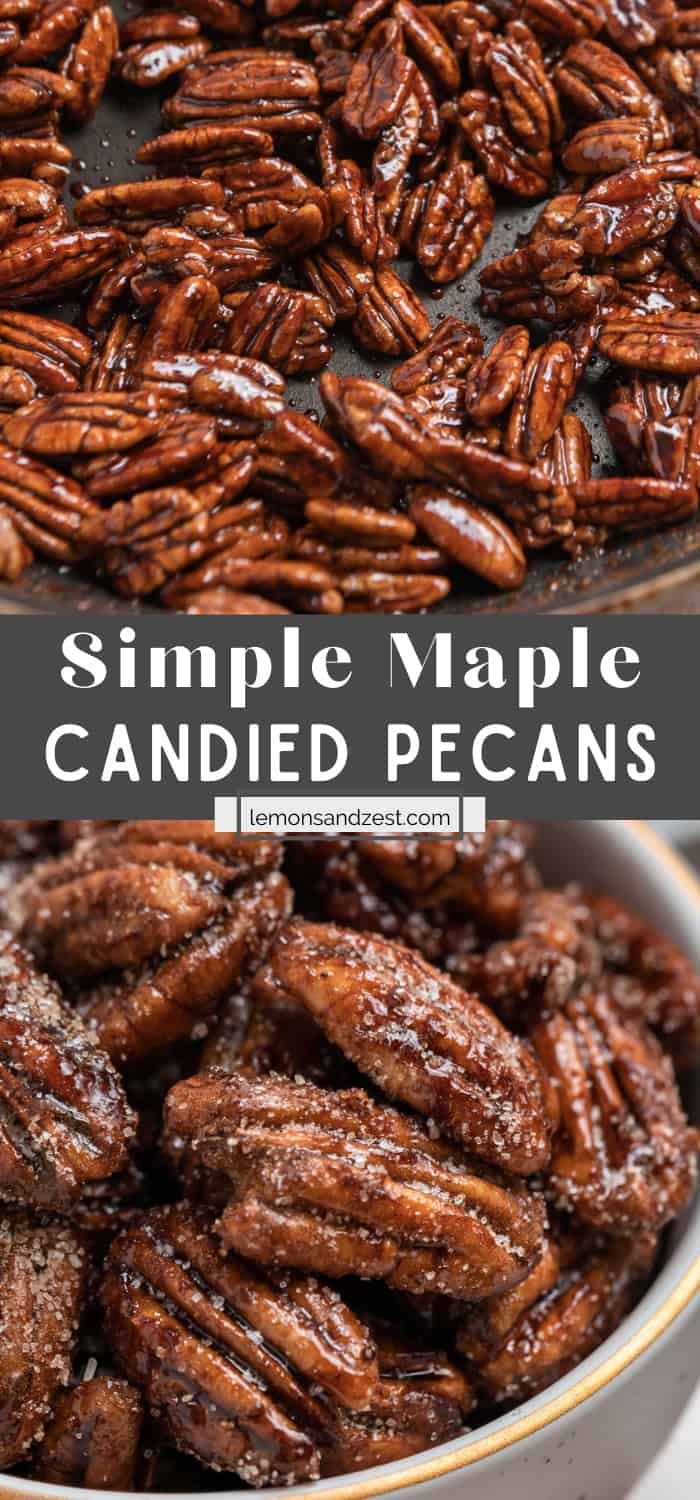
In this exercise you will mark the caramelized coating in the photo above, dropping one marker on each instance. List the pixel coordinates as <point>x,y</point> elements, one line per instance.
<point>240,1367</point>
<point>666,989</point>
<point>64,1120</point>
<point>43,1268</point>
<point>565,1322</point>
<point>93,1436</point>
<point>420,1038</point>
<point>123,894</point>
<point>175,997</point>
<point>483,875</point>
<point>624,1157</point>
<point>554,951</point>
<point>172,914</point>
<point>335,1184</point>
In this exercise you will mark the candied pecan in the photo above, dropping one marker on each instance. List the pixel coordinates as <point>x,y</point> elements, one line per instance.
<point>357,522</point>
<point>634,503</point>
<point>379,83</point>
<point>628,209</point>
<point>633,24</point>
<point>451,350</point>
<point>507,163</point>
<point>656,341</point>
<point>394,149</point>
<point>81,423</point>
<point>53,354</point>
<point>146,538</point>
<point>34,157</point>
<point>332,1183</point>
<point>545,279</point>
<point>339,276</point>
<point>44,1280</point>
<point>493,380</point>
<point>348,980</point>
<point>528,97</point>
<point>93,1436</point>
<point>271,91</point>
<point>246,391</point>
<point>247,1375</point>
<point>565,1322</point>
<point>456,221</point>
<point>274,199</point>
<point>568,456</point>
<point>146,64</point>
<point>607,146</point>
<point>546,385</point>
<point>623,1156</point>
<point>66,1121</point>
<point>390,317</point>
<point>474,537</point>
<point>15,555</point>
<point>599,85</point>
<point>205,146</point>
<point>89,62</point>
<point>183,319</point>
<point>46,509</point>
<point>666,992</point>
<point>286,328</point>
<point>45,263</point>
<point>222,600</point>
<point>185,441</point>
<point>391,592</point>
<point>157,198</point>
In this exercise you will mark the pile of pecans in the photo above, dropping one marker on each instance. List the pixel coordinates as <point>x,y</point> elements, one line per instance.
<point>306,159</point>
<point>284,1198</point>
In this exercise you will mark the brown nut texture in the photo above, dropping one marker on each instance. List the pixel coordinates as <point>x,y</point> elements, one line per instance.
<point>332,1183</point>
<point>93,1436</point>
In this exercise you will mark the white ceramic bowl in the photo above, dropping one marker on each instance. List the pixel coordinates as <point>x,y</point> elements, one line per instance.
<point>594,1432</point>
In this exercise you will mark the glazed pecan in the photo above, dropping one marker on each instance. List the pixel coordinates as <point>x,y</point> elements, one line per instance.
<point>545,279</point>
<point>624,1156</point>
<point>507,163</point>
<point>450,351</point>
<point>348,980</point>
<point>660,341</point>
<point>628,209</point>
<point>51,262</point>
<point>332,1183</point>
<point>665,992</point>
<point>89,62</point>
<point>66,1121</point>
<point>46,509</point>
<point>287,329</point>
<point>456,221</point>
<point>52,354</point>
<point>521,1349</point>
<point>390,317</point>
<point>599,85</point>
<point>274,1035</point>
<point>181,912</point>
<point>546,385</point>
<point>81,423</point>
<point>93,1436</point>
<point>44,1279</point>
<point>607,146</point>
<point>635,503</point>
<point>258,88</point>
<point>339,275</point>
<point>474,537</point>
<point>378,85</point>
<point>247,1376</point>
<point>144,202</point>
<point>274,200</point>
<point>493,380</point>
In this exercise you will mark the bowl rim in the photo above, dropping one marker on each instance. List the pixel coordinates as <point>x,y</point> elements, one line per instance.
<point>386,1478</point>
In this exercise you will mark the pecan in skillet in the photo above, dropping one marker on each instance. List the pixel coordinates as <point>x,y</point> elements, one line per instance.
<point>457,219</point>
<point>332,1183</point>
<point>44,1281</point>
<point>54,355</point>
<point>287,329</point>
<point>93,1436</point>
<point>444,1053</point>
<point>171,913</point>
<point>623,1157</point>
<point>244,1369</point>
<point>257,88</point>
<point>665,992</point>
<point>521,1349</point>
<point>450,351</point>
<point>65,1119</point>
<point>46,509</point>
<point>656,341</point>
<point>546,384</point>
<point>472,536</point>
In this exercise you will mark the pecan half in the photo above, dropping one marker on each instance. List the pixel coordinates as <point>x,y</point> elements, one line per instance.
<point>244,1369</point>
<point>348,981</point>
<point>474,537</point>
<point>665,993</point>
<point>65,1119</point>
<point>555,950</point>
<point>456,221</point>
<point>44,1279</point>
<point>624,1156</point>
<point>93,1436</point>
<point>332,1183</point>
